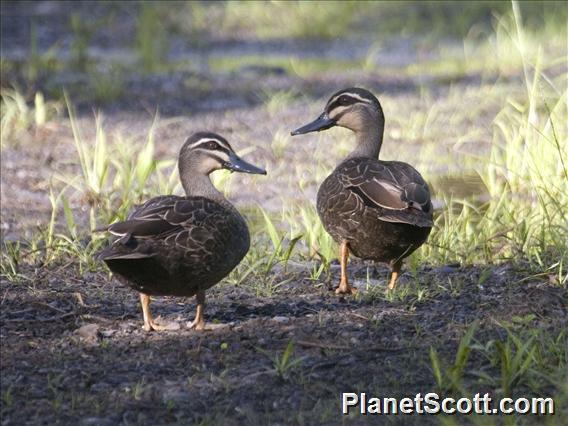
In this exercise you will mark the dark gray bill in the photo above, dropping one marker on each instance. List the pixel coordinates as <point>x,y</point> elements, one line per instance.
<point>237,164</point>
<point>323,122</point>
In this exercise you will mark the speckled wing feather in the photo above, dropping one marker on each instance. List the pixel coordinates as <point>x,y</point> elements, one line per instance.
<point>195,226</point>
<point>177,246</point>
<point>393,189</point>
<point>159,217</point>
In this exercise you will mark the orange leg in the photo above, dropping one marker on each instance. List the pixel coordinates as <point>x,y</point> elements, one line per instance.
<point>149,323</point>
<point>395,273</point>
<point>199,322</point>
<point>344,287</point>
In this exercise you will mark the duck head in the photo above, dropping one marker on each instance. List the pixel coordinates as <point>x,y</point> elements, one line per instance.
<point>205,152</point>
<point>354,108</point>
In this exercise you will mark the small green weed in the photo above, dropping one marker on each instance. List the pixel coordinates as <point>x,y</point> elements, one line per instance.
<point>449,378</point>
<point>284,364</point>
<point>18,116</point>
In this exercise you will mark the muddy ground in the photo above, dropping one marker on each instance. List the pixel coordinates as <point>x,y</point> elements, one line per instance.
<point>72,346</point>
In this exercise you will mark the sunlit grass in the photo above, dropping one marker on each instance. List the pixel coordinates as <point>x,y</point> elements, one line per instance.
<point>20,116</point>
<point>526,176</point>
<point>289,19</point>
<point>519,154</point>
<point>330,19</point>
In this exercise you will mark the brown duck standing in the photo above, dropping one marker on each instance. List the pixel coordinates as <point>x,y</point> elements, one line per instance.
<point>378,210</point>
<point>181,246</point>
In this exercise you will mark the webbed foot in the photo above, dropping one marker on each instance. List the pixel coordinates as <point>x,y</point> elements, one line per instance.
<point>154,326</point>
<point>345,289</point>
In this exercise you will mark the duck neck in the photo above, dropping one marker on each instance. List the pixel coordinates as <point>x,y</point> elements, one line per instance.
<point>196,184</point>
<point>369,138</point>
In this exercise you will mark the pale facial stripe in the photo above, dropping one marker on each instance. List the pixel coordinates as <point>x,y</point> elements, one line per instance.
<point>337,111</point>
<point>202,141</point>
<point>351,95</point>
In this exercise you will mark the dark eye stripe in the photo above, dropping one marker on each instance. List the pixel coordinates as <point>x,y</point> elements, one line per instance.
<point>222,149</point>
<point>343,100</point>
<point>221,144</point>
<point>213,153</point>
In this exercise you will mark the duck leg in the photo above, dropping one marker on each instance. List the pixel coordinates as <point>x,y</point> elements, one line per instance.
<point>199,322</point>
<point>149,323</point>
<point>344,287</point>
<point>395,272</point>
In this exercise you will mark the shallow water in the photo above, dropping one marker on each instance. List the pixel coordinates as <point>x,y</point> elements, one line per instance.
<point>466,186</point>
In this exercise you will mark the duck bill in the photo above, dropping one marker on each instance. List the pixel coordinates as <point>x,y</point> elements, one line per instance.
<point>323,122</point>
<point>237,164</point>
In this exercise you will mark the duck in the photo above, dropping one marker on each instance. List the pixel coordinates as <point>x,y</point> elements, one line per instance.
<point>182,245</point>
<point>377,210</point>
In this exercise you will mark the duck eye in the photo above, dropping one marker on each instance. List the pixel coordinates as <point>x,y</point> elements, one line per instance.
<point>344,100</point>
<point>212,145</point>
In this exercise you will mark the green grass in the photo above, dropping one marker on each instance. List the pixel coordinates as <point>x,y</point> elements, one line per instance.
<point>524,173</point>
<point>19,116</point>
<point>82,34</point>
<point>289,19</point>
<point>523,169</point>
<point>285,363</point>
<point>115,176</point>
<point>151,38</point>
<point>449,377</point>
<point>331,19</point>
<point>37,63</point>
<point>485,26</point>
<point>107,84</point>
<point>524,359</point>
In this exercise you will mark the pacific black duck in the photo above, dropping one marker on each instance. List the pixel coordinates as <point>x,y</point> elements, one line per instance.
<point>181,246</point>
<point>378,210</point>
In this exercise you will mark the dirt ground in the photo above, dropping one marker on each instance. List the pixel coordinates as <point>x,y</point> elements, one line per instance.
<point>74,352</point>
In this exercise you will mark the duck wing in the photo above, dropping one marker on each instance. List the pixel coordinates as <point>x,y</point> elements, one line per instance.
<point>395,189</point>
<point>187,223</point>
<point>155,218</point>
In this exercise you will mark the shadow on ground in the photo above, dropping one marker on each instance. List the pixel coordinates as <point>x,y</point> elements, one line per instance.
<point>73,351</point>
